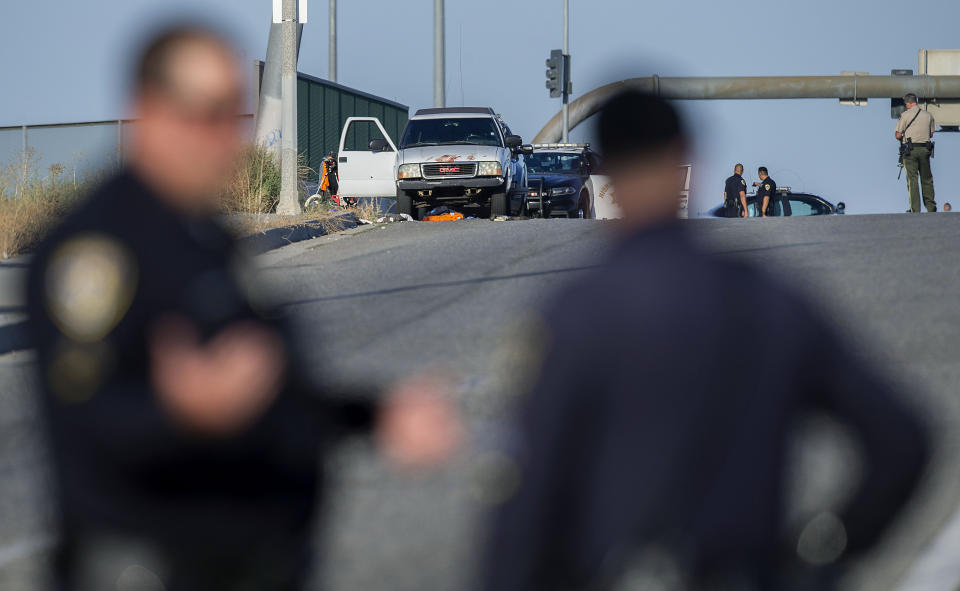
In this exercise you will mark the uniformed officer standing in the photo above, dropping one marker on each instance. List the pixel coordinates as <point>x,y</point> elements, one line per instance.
<point>735,194</point>
<point>915,132</point>
<point>186,441</point>
<point>767,195</point>
<point>645,457</point>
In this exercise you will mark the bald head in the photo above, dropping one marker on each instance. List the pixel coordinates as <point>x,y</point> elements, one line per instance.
<point>187,97</point>
<point>157,67</point>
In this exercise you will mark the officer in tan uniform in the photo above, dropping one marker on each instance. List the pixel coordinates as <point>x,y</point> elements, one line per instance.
<point>915,132</point>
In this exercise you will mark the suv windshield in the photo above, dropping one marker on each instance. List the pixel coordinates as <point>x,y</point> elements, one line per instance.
<point>438,132</point>
<point>546,163</point>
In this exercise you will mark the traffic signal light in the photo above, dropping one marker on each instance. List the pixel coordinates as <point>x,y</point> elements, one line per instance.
<point>556,74</point>
<point>896,103</point>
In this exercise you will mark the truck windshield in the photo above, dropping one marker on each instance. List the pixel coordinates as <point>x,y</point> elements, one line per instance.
<point>440,132</point>
<point>545,163</point>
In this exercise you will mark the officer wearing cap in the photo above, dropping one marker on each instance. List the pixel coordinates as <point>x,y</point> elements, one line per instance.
<point>915,131</point>
<point>186,435</point>
<point>735,194</point>
<point>643,455</point>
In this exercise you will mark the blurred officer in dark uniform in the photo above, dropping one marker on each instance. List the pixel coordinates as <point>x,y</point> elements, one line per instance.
<point>186,443</point>
<point>644,453</point>
<point>767,195</point>
<point>735,194</point>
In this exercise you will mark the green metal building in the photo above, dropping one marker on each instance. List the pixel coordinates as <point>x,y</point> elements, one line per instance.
<point>322,109</point>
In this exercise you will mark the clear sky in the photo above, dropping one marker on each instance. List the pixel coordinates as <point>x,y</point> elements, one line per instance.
<point>64,61</point>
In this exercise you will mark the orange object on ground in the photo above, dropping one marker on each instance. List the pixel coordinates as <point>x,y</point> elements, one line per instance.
<point>446,217</point>
<point>325,178</point>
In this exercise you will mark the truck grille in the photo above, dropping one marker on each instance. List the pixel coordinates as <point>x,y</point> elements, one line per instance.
<point>449,170</point>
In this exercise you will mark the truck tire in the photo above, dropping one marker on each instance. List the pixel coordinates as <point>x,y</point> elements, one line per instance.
<point>405,204</point>
<point>499,204</point>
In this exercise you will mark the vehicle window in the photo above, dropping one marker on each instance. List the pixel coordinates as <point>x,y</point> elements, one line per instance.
<point>802,205</point>
<point>439,132</point>
<point>359,135</point>
<point>546,163</point>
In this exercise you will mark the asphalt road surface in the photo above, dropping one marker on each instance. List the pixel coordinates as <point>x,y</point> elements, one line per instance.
<point>384,301</point>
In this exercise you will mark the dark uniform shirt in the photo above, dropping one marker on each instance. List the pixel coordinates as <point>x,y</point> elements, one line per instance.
<point>124,469</point>
<point>732,187</point>
<point>643,432</point>
<point>767,188</point>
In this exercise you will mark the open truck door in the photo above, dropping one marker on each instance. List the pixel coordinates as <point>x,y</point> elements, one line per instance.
<point>367,159</point>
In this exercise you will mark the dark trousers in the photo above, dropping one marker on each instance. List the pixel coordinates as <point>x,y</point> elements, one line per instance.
<point>917,164</point>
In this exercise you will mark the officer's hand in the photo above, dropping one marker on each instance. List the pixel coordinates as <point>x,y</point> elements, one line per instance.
<point>418,425</point>
<point>220,387</point>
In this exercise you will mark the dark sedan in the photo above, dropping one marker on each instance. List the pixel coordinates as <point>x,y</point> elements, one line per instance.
<point>557,176</point>
<point>789,204</point>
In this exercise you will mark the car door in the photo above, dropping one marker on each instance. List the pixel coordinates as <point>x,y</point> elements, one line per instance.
<point>363,171</point>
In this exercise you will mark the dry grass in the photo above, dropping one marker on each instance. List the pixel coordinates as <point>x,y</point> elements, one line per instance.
<point>369,209</point>
<point>31,202</point>
<point>255,186</point>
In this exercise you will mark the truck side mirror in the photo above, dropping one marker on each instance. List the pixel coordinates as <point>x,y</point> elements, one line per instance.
<point>513,141</point>
<point>841,207</point>
<point>378,145</point>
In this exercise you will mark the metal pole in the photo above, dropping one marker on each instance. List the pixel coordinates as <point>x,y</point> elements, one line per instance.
<point>566,51</point>
<point>289,198</point>
<point>120,142</point>
<point>439,59</point>
<point>332,50</point>
<point>756,87</point>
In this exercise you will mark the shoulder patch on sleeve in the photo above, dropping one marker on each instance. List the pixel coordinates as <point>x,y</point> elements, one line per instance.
<point>743,182</point>
<point>767,187</point>
<point>89,284</point>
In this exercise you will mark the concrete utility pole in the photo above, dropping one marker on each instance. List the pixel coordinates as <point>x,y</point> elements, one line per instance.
<point>269,119</point>
<point>757,87</point>
<point>439,58</point>
<point>289,196</point>
<point>566,86</point>
<point>332,48</point>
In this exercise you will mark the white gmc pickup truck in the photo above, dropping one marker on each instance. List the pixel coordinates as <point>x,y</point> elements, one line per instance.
<point>463,156</point>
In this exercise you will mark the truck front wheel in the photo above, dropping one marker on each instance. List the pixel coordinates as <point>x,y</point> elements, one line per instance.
<point>405,204</point>
<point>499,204</point>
